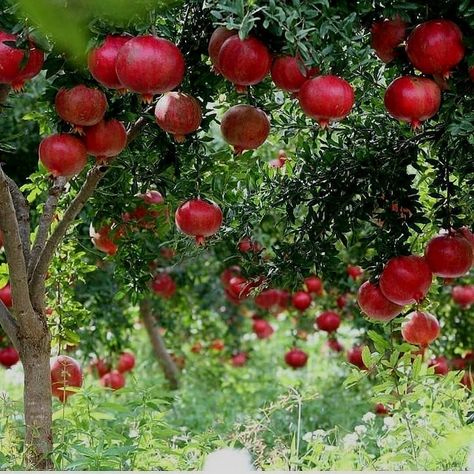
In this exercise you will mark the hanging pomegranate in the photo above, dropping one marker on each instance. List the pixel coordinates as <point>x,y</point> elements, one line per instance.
<point>262,328</point>
<point>228,274</point>
<point>6,295</point>
<point>268,299</point>
<point>296,358</point>
<point>65,372</point>
<point>113,380</point>
<point>354,357</point>
<point>105,239</point>
<point>440,365</point>
<point>301,300</point>
<point>462,295</point>
<point>239,359</point>
<point>106,139</point>
<point>9,357</point>
<point>163,285</point>
<point>289,73</point>
<point>328,321</point>
<point>126,362</point>
<point>420,328</point>
<point>314,285</point>
<point>386,36</point>
<point>374,304</point>
<point>215,43</point>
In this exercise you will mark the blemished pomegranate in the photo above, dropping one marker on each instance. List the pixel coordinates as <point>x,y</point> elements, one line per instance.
<point>412,99</point>
<point>126,362</point>
<point>81,106</point>
<point>106,139</point>
<point>102,60</point>
<point>386,36</point>
<point>328,321</point>
<point>326,99</point>
<point>199,218</point>
<point>301,300</point>
<point>335,345</point>
<point>100,367</point>
<point>262,328</point>
<point>8,357</point>
<point>163,285</point>
<point>354,357</point>
<point>296,358</point>
<point>239,359</point>
<point>374,304</point>
<point>420,328</point>
<point>245,127</point>
<point>218,38</point>
<point>440,365</point>
<point>113,380</point>
<point>105,239</point>
<point>449,256</point>
<point>65,372</point>
<point>244,62</point>
<point>405,280</point>
<point>149,65</point>
<point>314,285</point>
<point>289,73</point>
<point>354,271</point>
<point>179,114</point>
<point>463,295</point>
<point>63,155</point>
<point>435,47</point>
<point>6,295</point>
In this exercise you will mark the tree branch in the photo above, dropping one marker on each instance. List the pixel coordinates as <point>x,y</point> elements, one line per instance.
<point>138,126</point>
<point>9,324</point>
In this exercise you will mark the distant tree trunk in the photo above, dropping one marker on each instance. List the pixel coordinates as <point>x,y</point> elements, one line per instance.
<point>166,362</point>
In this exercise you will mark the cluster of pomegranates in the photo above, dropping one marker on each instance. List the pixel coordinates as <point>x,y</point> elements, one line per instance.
<point>113,378</point>
<point>442,366</point>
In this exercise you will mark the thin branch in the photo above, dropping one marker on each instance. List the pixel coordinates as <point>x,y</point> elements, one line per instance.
<point>138,126</point>
<point>9,324</point>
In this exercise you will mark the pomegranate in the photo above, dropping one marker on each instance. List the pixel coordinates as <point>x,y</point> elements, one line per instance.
<point>126,362</point>
<point>244,62</point>
<point>178,114</point>
<point>289,73</point>
<point>63,155</point>
<point>245,127</point>
<point>412,99</point>
<point>405,280</point>
<point>262,328</point>
<point>280,161</point>
<point>468,235</point>
<point>106,139</point>
<point>354,271</point>
<point>335,345</point>
<point>163,285</point>
<point>246,245</point>
<point>6,295</point>
<point>215,43</point>
<point>217,345</point>
<point>386,36</point>
<point>102,61</point>
<point>228,274</point>
<point>468,380</point>
<point>420,328</point>
<point>296,358</point>
<point>440,365</point>
<point>354,357</point>
<point>241,288</point>
<point>149,65</point>
<point>458,363</point>
<point>463,295</point>
<point>100,367</point>
<point>301,300</point>
<point>200,218</point>
<point>326,99</point>
<point>342,301</point>
<point>104,239</point>
<point>381,410</point>
<point>65,372</point>
<point>268,299</point>
<point>8,357</point>
<point>314,285</point>
<point>449,256</point>
<point>328,321</point>
<point>435,47</point>
<point>114,380</point>
<point>152,197</point>
<point>374,304</point>
<point>239,359</point>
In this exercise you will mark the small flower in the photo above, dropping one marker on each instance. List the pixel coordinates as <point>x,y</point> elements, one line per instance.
<point>389,422</point>
<point>350,440</point>
<point>368,417</point>
<point>313,436</point>
<point>360,430</point>
<point>133,433</point>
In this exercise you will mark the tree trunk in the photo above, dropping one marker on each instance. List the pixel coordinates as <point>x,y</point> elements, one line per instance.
<point>167,364</point>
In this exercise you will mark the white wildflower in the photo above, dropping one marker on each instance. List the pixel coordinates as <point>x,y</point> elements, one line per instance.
<point>133,433</point>
<point>237,460</point>
<point>361,430</point>
<point>313,436</point>
<point>350,440</point>
<point>389,422</point>
<point>368,417</point>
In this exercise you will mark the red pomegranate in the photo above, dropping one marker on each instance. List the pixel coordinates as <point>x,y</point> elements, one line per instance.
<point>374,304</point>
<point>106,139</point>
<point>328,321</point>
<point>240,288</point>
<point>217,345</point>
<point>163,285</point>
<point>102,61</point>
<point>412,99</point>
<point>468,235</point>
<point>104,239</point>
<point>215,43</point>
<point>435,47</point>
<point>245,127</point>
<point>178,114</point>
<point>100,367</point>
<point>405,280</point>
<point>386,36</point>
<point>262,328</point>
<point>296,358</point>
<point>449,256</point>
<point>440,365</point>
<point>8,357</point>
<point>458,363</point>
<point>6,295</point>
<point>280,161</point>
<point>228,274</point>
<point>342,301</point>
<point>246,245</point>
<point>420,328</point>
<point>200,218</point>
<point>354,271</point>
<point>13,70</point>
<point>63,155</point>
<point>114,380</point>
<point>301,300</point>
<point>462,295</point>
<point>268,299</point>
<point>149,65</point>
<point>239,359</point>
<point>244,62</point>
<point>126,362</point>
<point>289,73</point>
<point>81,106</point>
<point>65,372</point>
<point>354,357</point>
<point>335,345</point>
<point>152,197</point>
<point>326,99</point>
<point>381,410</point>
<point>314,285</point>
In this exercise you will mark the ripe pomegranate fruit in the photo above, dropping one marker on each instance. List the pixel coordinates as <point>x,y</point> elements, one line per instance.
<point>463,295</point>
<point>106,139</point>
<point>342,301</point>
<point>6,295</point>
<point>354,271</point>
<point>178,114</point>
<point>65,372</point>
<point>326,99</point>
<point>381,410</point>
<point>440,365</point>
<point>386,36</point>
<point>245,127</point>
<point>435,47</point>
<point>354,357</point>
<point>280,161</point>
<point>262,328</point>
<point>215,43</point>
<point>374,304</point>
<point>246,245</point>
<point>102,61</point>
<point>405,280</point>
<point>468,235</point>
<point>296,358</point>
<point>114,380</point>
<point>163,285</point>
<point>335,345</point>
<point>100,367</point>
<point>241,288</point>
<point>301,300</point>
<point>8,357</point>
<point>268,299</point>
<point>289,73</point>
<point>420,328</point>
<point>244,62</point>
<point>314,285</point>
<point>200,218</point>
<point>239,359</point>
<point>458,363</point>
<point>328,321</point>
<point>412,99</point>
<point>449,256</point>
<point>228,274</point>
<point>149,65</point>
<point>126,362</point>
<point>63,155</point>
<point>104,239</point>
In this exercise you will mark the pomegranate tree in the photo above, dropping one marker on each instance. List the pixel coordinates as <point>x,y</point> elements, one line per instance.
<point>9,357</point>
<point>301,300</point>
<point>113,380</point>
<point>163,285</point>
<point>65,372</point>
<point>373,303</point>
<point>218,38</point>
<point>296,358</point>
<point>328,321</point>
<point>386,36</point>
<point>420,328</point>
<point>126,362</point>
<point>106,139</point>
